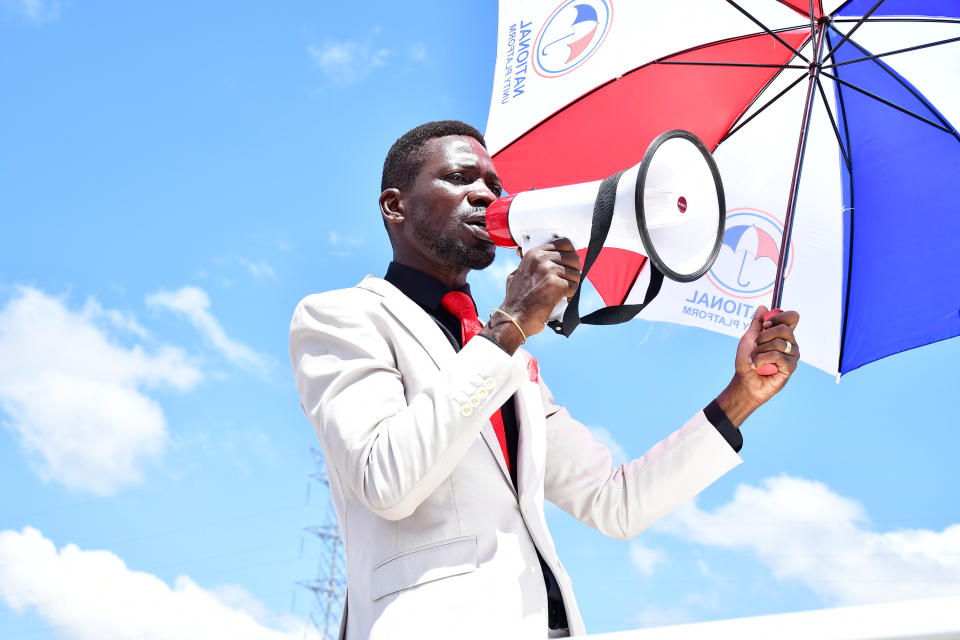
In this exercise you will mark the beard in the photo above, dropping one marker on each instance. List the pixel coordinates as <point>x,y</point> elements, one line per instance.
<point>451,248</point>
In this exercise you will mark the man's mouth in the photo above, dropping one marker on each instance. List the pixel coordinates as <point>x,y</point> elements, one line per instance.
<point>477,224</point>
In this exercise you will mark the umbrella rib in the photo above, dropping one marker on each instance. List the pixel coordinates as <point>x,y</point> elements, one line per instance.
<point>892,53</point>
<point>846,37</point>
<point>767,29</point>
<point>764,107</point>
<point>907,86</point>
<point>759,93</point>
<point>733,64</point>
<point>900,19</point>
<point>833,123</point>
<point>846,127</point>
<point>888,103</point>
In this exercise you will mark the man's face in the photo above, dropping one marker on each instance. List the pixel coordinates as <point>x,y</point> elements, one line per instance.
<point>447,203</point>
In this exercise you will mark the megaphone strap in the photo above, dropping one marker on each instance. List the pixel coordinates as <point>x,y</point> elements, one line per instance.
<point>599,228</point>
<point>625,312</point>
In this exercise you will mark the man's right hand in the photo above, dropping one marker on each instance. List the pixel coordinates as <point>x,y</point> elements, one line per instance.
<point>547,274</point>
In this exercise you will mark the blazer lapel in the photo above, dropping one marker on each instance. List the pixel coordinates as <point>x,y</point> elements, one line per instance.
<point>435,343</point>
<point>490,437</point>
<point>417,321</point>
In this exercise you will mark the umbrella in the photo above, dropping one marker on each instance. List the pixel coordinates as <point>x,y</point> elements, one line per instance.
<point>832,123</point>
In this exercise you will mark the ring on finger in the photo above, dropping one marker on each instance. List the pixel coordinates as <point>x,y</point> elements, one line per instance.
<point>789,348</point>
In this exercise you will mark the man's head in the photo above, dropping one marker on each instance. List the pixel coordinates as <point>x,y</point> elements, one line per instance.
<point>406,156</point>
<point>438,180</point>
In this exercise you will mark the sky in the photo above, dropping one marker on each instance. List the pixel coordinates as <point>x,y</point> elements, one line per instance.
<point>175,177</point>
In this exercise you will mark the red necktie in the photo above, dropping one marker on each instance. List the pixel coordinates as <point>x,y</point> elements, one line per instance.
<point>461,306</point>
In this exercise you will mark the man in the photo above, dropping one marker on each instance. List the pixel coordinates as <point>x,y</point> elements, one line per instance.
<point>441,449</point>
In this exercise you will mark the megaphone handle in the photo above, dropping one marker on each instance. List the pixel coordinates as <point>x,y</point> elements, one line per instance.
<point>768,369</point>
<point>532,238</point>
<point>558,311</point>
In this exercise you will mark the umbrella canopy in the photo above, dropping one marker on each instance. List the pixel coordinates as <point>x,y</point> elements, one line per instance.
<point>832,126</point>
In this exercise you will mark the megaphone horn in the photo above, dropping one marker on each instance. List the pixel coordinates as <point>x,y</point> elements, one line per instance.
<point>668,210</point>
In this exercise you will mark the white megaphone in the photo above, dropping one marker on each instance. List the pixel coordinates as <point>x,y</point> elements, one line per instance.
<point>667,211</point>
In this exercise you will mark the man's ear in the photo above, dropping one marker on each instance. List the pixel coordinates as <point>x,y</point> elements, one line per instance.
<point>391,206</point>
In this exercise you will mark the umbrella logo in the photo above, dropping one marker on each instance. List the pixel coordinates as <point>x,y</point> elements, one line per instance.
<point>572,33</point>
<point>747,264</point>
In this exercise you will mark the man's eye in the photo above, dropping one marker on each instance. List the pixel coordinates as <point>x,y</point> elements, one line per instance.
<point>497,189</point>
<point>456,177</point>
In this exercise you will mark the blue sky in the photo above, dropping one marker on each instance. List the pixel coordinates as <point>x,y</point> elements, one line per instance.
<point>174,177</point>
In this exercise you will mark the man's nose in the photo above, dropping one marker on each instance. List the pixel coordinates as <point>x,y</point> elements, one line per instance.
<point>480,194</point>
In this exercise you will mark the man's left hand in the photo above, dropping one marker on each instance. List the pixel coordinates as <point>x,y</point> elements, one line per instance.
<point>765,342</point>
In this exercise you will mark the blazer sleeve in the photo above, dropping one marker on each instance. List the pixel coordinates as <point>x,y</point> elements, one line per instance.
<point>620,502</point>
<point>391,452</point>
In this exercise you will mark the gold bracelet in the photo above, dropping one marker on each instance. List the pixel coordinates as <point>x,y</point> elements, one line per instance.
<point>510,318</point>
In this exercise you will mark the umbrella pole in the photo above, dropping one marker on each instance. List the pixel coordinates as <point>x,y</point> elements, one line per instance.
<point>797,170</point>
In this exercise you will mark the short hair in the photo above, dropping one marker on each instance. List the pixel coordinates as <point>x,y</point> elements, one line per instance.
<point>405,157</point>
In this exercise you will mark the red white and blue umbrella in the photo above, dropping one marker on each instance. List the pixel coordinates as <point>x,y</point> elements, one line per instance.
<point>833,124</point>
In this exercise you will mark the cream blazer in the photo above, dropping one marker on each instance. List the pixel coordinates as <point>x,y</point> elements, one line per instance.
<point>438,542</point>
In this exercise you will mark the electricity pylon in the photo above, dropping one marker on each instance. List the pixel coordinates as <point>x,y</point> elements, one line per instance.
<point>329,587</point>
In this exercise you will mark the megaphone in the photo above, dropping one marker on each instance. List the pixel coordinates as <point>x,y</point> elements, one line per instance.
<point>662,217</point>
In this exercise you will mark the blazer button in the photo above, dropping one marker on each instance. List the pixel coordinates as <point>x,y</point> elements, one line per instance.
<point>482,393</point>
<point>466,410</point>
<point>474,401</point>
<point>489,384</point>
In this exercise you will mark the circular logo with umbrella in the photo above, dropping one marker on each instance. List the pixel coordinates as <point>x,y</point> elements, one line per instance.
<point>747,263</point>
<point>572,33</point>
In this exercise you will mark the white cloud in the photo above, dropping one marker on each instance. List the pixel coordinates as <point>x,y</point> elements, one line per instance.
<point>36,11</point>
<point>654,616</point>
<point>651,616</point>
<point>645,559</point>
<point>342,245</point>
<point>93,595</point>
<point>260,270</point>
<point>711,575</point>
<point>418,51</point>
<point>805,532</point>
<point>74,397</point>
<point>117,319</point>
<point>604,437</point>
<point>194,303</point>
<point>347,62</point>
